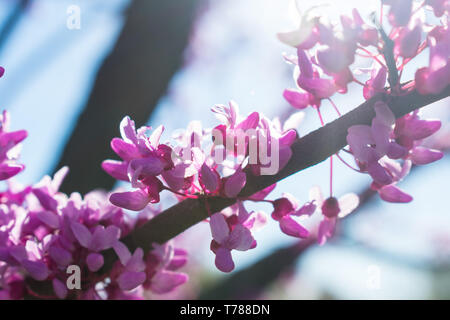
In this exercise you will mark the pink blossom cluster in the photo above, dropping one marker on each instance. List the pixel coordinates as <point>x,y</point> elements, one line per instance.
<point>326,52</point>
<point>378,148</point>
<point>187,167</point>
<point>324,65</point>
<point>44,231</point>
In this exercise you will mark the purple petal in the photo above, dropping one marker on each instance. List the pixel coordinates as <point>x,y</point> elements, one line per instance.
<point>103,239</point>
<point>288,138</point>
<point>251,122</point>
<point>13,137</point>
<point>378,173</point>
<point>59,255</point>
<point>326,230</point>
<point>47,201</point>
<point>37,269</point>
<point>209,178</point>
<point>348,203</point>
<point>156,136</point>
<point>151,165</point>
<point>396,151</point>
<point>299,100</point>
<point>419,129</point>
<point>58,178</point>
<point>306,69</point>
<point>177,262</point>
<point>234,184</point>
<point>129,280</point>
<point>123,149</point>
<point>18,252</point>
<point>422,155</point>
<point>133,200</point>
<point>49,218</point>
<point>219,227</point>
<point>165,281</point>
<point>81,233</point>
<point>116,169</point>
<point>292,228</point>
<point>223,261</point>
<point>392,193</point>
<point>261,195</point>
<point>306,210</point>
<point>59,288</point>
<point>282,207</point>
<point>128,130</point>
<point>122,252</point>
<point>94,261</point>
<point>384,113</point>
<point>8,170</point>
<point>136,262</point>
<point>240,238</point>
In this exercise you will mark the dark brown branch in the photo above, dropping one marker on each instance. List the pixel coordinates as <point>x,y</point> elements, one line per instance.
<point>130,82</point>
<point>313,148</point>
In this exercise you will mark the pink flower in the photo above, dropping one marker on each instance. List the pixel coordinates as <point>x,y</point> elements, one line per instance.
<point>162,265</point>
<point>408,41</point>
<point>397,172</point>
<point>370,144</point>
<point>376,83</point>
<point>332,209</point>
<point>9,147</point>
<point>310,80</point>
<point>143,159</point>
<point>227,237</point>
<point>400,11</point>
<point>434,78</point>
<point>285,208</point>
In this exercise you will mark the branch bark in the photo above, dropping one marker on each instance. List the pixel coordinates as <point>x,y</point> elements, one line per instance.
<point>309,150</point>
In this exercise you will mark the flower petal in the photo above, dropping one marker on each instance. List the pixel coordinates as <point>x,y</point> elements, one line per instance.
<point>348,203</point>
<point>129,280</point>
<point>422,155</point>
<point>37,269</point>
<point>392,193</point>
<point>94,261</point>
<point>219,227</point>
<point>292,228</point>
<point>81,233</point>
<point>240,238</point>
<point>165,281</point>
<point>131,200</point>
<point>234,184</point>
<point>223,261</point>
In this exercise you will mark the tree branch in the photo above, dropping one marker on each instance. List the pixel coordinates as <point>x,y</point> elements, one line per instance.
<point>312,149</point>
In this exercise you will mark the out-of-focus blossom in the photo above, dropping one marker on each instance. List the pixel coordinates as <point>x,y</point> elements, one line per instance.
<point>9,147</point>
<point>332,209</point>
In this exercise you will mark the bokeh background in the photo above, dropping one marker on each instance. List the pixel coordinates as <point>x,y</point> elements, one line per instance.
<point>167,62</point>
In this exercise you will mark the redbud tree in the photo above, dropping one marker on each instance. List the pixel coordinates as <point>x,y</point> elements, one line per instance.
<point>217,174</point>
